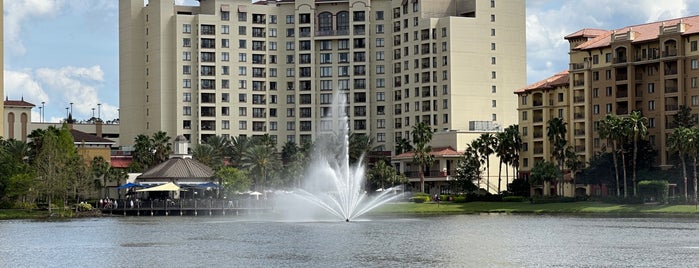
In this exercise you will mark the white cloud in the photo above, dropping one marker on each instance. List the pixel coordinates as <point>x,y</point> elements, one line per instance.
<point>18,12</point>
<point>21,84</point>
<point>548,21</point>
<point>77,85</point>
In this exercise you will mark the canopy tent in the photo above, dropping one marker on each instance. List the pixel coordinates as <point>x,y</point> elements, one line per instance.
<point>168,187</point>
<point>199,185</point>
<point>130,185</point>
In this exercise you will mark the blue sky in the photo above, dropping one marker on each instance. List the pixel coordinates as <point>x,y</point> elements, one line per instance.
<point>63,51</point>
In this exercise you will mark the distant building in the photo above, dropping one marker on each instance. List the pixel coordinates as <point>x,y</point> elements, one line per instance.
<point>232,68</point>
<point>17,118</point>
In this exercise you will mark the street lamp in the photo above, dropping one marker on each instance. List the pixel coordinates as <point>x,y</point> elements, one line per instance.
<point>99,116</point>
<point>40,114</point>
<point>66,113</point>
<point>43,111</point>
<point>71,108</point>
<point>93,112</point>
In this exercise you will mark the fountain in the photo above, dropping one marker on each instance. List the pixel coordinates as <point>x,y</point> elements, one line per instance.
<point>335,186</point>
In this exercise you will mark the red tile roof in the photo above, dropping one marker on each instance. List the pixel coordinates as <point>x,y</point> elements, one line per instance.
<point>437,152</point>
<point>586,33</point>
<point>560,79</point>
<point>17,103</point>
<point>120,162</point>
<point>642,32</point>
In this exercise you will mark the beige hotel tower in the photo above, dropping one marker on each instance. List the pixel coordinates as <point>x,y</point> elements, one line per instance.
<point>232,67</point>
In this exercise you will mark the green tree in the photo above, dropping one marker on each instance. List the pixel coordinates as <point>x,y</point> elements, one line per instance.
<point>207,155</point>
<point>485,146</point>
<point>684,117</point>
<point>259,159</point>
<point>233,180</point>
<point>611,129</point>
<point>403,145</point>
<point>221,147</point>
<point>468,171</point>
<point>638,125</point>
<point>422,135</point>
<point>677,142</point>
<point>574,164</point>
<point>556,133</point>
<point>55,163</point>
<point>100,168</point>
<point>543,171</point>
<point>359,146</point>
<point>383,175</point>
<point>150,151</point>
<point>239,146</point>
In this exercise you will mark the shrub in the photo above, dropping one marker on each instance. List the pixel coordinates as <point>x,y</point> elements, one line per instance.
<point>513,198</point>
<point>420,198</point>
<point>653,191</point>
<point>84,207</point>
<point>24,205</point>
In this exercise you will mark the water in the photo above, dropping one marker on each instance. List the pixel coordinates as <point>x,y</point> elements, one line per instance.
<point>332,184</point>
<point>440,241</point>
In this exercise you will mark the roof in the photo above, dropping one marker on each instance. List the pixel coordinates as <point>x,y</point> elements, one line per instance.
<point>178,168</point>
<point>436,152</point>
<point>642,32</point>
<point>120,162</point>
<point>82,137</point>
<point>589,33</point>
<point>17,103</point>
<point>560,79</point>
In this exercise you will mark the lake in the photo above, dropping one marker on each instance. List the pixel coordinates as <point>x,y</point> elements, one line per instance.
<point>487,240</point>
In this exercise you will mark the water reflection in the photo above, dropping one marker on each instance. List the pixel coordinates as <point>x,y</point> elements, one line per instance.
<point>445,241</point>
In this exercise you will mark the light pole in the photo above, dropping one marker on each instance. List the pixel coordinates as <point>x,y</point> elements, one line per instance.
<point>99,116</point>
<point>43,111</point>
<point>66,113</point>
<point>93,112</point>
<point>40,114</point>
<point>71,108</point>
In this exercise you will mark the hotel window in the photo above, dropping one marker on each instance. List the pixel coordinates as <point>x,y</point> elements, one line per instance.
<point>492,3</point>
<point>693,45</point>
<point>380,69</point>
<point>242,111</point>
<point>525,116</point>
<point>380,83</point>
<point>595,109</point>
<point>186,69</point>
<point>273,32</point>
<point>492,60</point>
<point>242,97</point>
<point>225,29</point>
<point>186,42</point>
<point>326,71</point>
<point>693,82</point>
<point>608,91</point>
<point>242,84</point>
<point>242,16</point>
<point>492,17</point>
<point>651,87</point>
<point>289,19</point>
<point>493,89</point>
<point>225,124</point>
<point>326,45</point>
<point>224,97</point>
<point>186,56</point>
<point>290,45</point>
<point>379,15</point>
<point>595,59</point>
<point>445,104</point>
<point>186,28</point>
<point>187,110</point>
<point>379,42</point>
<point>609,108</point>
<point>225,56</point>
<point>225,70</point>
<point>651,105</point>
<point>695,64</point>
<point>380,55</point>
<point>608,57</point>
<point>242,30</point>
<point>524,99</point>
<point>492,32</point>
<point>186,83</point>
<point>494,103</point>
<point>651,122</point>
<point>608,74</point>
<point>695,100</point>
<point>595,92</point>
<point>495,117</point>
<point>242,125</point>
<point>186,97</point>
<point>492,46</point>
<point>226,43</point>
<point>493,75</point>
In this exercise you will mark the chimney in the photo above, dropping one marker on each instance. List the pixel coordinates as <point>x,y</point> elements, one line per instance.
<point>98,128</point>
<point>181,148</point>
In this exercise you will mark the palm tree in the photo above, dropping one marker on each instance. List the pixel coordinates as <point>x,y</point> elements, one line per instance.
<point>677,142</point>
<point>556,134</point>
<point>260,158</point>
<point>221,147</point>
<point>422,135</point>
<point>239,146</point>
<point>502,151</point>
<point>485,145</point>
<point>693,149</point>
<point>359,146</point>
<point>162,147</point>
<point>516,143</point>
<point>638,124</point>
<point>403,145</point>
<point>609,129</point>
<point>205,154</point>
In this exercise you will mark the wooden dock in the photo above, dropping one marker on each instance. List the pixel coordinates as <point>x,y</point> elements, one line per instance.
<point>188,207</point>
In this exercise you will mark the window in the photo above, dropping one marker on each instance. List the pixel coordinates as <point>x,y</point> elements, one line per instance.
<point>608,57</point>
<point>379,15</point>
<point>595,109</point>
<point>492,17</point>
<point>186,97</point>
<point>380,28</point>
<point>493,89</point>
<point>560,97</point>
<point>326,71</point>
<point>379,42</point>
<point>325,23</point>
<point>695,64</point>
<point>380,55</point>
<point>609,108</point>
<point>187,83</point>
<point>693,82</point>
<point>186,42</point>
<point>242,16</point>
<point>494,117</point>
<point>186,56</point>
<point>651,87</point>
<point>186,28</point>
<point>695,100</point>
<point>492,46</point>
<point>494,103</point>
<point>289,19</point>
<point>242,125</point>
<point>242,30</point>
<point>651,105</point>
<point>187,110</point>
<point>693,46</point>
<point>225,56</point>
<point>608,91</point>
<point>186,69</point>
<point>595,59</point>
<point>651,123</point>
<point>343,44</point>
<point>493,75</point>
<point>225,29</point>
<point>492,32</point>
<point>525,116</point>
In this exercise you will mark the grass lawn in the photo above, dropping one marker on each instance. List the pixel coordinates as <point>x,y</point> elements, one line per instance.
<point>526,207</point>
<point>6,214</point>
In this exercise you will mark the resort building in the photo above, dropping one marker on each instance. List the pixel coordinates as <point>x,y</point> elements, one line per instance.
<point>232,68</point>
<point>2,64</point>
<point>652,68</point>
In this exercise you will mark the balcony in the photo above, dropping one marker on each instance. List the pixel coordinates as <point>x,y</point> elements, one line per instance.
<point>670,53</point>
<point>332,33</point>
<point>669,89</point>
<point>671,71</point>
<point>538,119</point>
<point>579,132</point>
<point>579,116</point>
<point>580,148</point>
<point>538,135</point>
<point>619,60</point>
<point>579,99</point>
<point>622,77</point>
<point>578,83</point>
<point>671,107</point>
<point>538,150</point>
<point>577,66</point>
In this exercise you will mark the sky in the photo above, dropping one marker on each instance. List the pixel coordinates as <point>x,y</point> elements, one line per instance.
<point>66,51</point>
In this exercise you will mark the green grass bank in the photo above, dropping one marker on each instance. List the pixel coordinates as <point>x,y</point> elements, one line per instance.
<point>526,207</point>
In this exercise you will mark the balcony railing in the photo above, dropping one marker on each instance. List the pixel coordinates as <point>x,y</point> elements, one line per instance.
<point>538,150</point>
<point>579,99</point>
<point>670,89</point>
<point>579,116</point>
<point>578,83</point>
<point>579,132</point>
<point>577,66</point>
<point>671,107</point>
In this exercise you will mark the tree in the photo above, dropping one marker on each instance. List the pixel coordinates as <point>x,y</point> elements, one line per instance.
<point>556,133</point>
<point>485,147</point>
<point>259,159</point>
<point>100,168</point>
<point>543,171</point>
<point>383,175</point>
<point>403,145</point>
<point>233,180</point>
<point>677,142</point>
<point>574,164</point>
<point>162,147</point>
<point>359,145</point>
<point>220,148</point>
<point>422,135</point>
<point>684,117</point>
<point>693,150</point>
<point>468,171</point>
<point>515,146</point>
<point>150,151</point>
<point>207,155</point>
<point>611,129</point>
<point>638,125</point>
<point>239,146</point>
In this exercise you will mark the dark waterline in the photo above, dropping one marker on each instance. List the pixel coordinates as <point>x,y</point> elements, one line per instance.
<point>489,240</point>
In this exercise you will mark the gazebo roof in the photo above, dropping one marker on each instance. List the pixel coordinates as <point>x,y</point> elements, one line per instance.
<point>178,168</point>
<point>441,152</point>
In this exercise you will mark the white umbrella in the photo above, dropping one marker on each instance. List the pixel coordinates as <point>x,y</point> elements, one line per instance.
<point>256,194</point>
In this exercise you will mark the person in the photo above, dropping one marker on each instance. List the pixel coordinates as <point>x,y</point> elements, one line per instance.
<point>100,203</point>
<point>131,203</point>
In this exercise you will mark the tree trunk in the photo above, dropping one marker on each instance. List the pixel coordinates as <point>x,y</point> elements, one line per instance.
<point>507,177</point>
<point>635,153</point>
<point>623,165</point>
<point>499,175</point>
<point>616,171</point>
<point>684,173</point>
<point>422,180</point>
<point>487,174</point>
<point>695,180</point>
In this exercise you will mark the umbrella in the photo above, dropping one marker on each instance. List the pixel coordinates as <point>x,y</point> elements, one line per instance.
<point>207,185</point>
<point>129,185</point>
<point>168,187</point>
<point>256,194</point>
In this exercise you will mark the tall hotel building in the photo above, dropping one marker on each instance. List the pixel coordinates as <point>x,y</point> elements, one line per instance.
<point>232,67</point>
<point>653,68</point>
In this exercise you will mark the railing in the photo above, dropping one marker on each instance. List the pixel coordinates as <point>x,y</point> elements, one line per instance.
<point>622,77</point>
<point>671,107</point>
<point>670,71</point>
<point>670,89</point>
<point>538,119</point>
<point>577,66</point>
<point>579,99</point>
<point>622,94</point>
<point>538,150</point>
<point>579,116</point>
<point>670,53</point>
<point>580,148</point>
<point>578,83</point>
<point>429,173</point>
<point>332,33</point>
<point>579,132</point>
<point>619,60</point>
